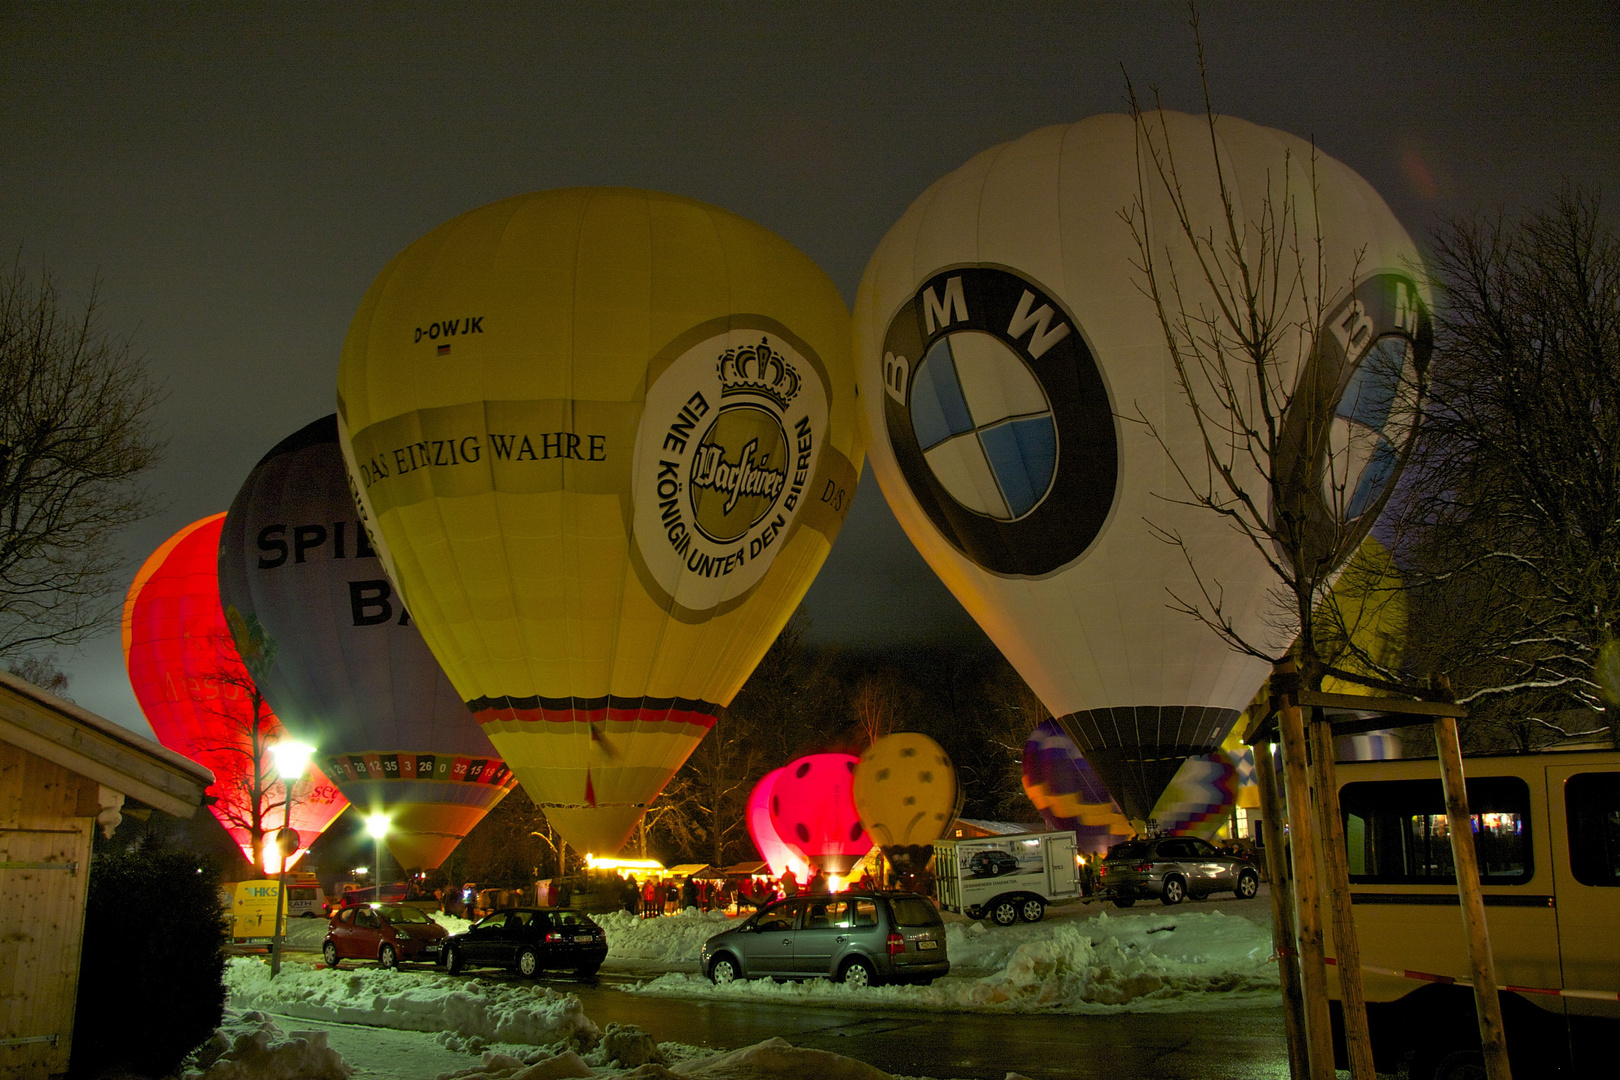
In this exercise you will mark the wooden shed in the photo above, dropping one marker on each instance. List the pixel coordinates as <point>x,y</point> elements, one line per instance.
<point>63,771</point>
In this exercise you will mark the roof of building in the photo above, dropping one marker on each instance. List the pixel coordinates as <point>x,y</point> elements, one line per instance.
<point>95,747</point>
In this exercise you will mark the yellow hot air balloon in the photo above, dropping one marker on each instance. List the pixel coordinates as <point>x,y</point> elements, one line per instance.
<point>603,439</point>
<point>905,790</point>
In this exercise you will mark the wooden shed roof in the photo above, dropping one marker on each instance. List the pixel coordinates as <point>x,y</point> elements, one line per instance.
<point>93,746</point>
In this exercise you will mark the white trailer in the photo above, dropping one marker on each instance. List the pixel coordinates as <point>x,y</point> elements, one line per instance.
<point>1006,878</point>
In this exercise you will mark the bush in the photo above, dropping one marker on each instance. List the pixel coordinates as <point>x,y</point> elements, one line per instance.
<point>151,981</point>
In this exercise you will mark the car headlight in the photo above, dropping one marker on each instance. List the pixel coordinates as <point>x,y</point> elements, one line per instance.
<point>403,935</point>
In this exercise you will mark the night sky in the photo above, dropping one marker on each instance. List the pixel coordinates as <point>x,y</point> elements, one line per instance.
<point>236,178</point>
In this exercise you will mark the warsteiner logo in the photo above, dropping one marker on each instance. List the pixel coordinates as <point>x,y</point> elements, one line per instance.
<point>728,444</point>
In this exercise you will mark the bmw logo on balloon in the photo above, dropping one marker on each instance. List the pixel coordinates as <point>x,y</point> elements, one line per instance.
<point>1353,419</point>
<point>1000,420</point>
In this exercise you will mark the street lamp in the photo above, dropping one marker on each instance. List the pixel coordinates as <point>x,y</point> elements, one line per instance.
<point>291,758</point>
<point>377,827</point>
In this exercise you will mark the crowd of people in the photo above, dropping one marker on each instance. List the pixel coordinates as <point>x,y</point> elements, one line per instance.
<point>655,897</point>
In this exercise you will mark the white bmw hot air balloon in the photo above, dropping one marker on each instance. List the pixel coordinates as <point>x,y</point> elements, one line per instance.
<point>1005,351</point>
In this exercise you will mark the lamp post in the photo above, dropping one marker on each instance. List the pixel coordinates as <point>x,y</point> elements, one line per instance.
<point>291,758</point>
<point>377,827</point>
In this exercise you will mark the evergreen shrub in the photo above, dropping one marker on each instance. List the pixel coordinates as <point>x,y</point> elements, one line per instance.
<point>151,979</point>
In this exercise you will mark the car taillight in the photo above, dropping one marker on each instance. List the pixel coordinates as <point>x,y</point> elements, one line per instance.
<point>897,944</point>
<point>1102,871</point>
<point>1143,868</point>
<point>554,938</point>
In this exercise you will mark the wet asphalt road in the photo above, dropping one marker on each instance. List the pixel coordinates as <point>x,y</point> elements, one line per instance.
<point>1229,1044</point>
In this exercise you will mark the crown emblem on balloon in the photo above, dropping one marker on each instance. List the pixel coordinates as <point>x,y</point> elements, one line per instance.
<point>760,370</point>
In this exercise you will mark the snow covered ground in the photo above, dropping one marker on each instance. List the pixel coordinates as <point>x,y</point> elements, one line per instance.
<point>424,1023</point>
<point>1081,960</point>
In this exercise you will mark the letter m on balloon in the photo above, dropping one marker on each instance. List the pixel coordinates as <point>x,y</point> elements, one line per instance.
<point>942,312</point>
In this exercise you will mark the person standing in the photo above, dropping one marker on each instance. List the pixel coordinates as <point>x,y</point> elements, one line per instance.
<point>790,883</point>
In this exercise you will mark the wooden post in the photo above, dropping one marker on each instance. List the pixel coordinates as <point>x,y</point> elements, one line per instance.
<point>1282,912</point>
<point>1307,880</point>
<point>1492,1036</point>
<point>1336,867</point>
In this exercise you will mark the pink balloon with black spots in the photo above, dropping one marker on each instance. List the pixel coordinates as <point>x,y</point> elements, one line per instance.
<point>813,811</point>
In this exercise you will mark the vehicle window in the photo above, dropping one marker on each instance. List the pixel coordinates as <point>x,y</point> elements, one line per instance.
<point>491,922</point>
<point>1130,849</point>
<point>817,915</point>
<point>1175,849</point>
<point>566,920</point>
<point>346,916</point>
<point>838,914</point>
<point>366,917</point>
<point>516,920</point>
<point>1201,849</point>
<point>1592,803</point>
<point>914,911</point>
<point>865,913</point>
<point>399,913</point>
<point>1397,832</point>
<point>778,916</point>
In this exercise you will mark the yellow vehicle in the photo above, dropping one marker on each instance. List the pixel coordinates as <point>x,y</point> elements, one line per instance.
<point>1547,832</point>
<point>253,911</point>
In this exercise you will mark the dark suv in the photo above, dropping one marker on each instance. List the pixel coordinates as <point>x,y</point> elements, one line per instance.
<point>1173,868</point>
<point>861,938</point>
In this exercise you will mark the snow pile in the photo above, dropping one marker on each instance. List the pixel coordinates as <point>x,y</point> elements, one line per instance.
<point>450,922</point>
<point>778,1058</point>
<point>666,939</point>
<point>248,1046</point>
<point>773,1059</point>
<point>1196,959</point>
<point>465,1009</point>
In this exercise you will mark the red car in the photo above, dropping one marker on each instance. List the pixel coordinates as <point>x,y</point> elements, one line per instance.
<point>387,933</point>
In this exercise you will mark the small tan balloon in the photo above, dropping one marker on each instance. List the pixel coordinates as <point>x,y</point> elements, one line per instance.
<point>905,790</point>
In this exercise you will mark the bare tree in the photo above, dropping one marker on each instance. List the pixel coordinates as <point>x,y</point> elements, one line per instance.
<point>250,793</point>
<point>705,805</point>
<point>76,433</point>
<point>1260,333</point>
<point>1510,527</point>
<point>1266,335</point>
<point>875,703</point>
<point>43,673</point>
<point>1004,729</point>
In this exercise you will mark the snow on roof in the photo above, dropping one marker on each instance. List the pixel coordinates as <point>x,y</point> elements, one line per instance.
<point>1002,828</point>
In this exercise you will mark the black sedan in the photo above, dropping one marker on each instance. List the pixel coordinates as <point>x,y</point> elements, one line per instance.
<point>528,941</point>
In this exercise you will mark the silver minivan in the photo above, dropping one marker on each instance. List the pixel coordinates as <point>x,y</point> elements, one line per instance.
<point>860,938</point>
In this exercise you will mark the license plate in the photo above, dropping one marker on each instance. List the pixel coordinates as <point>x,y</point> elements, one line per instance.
<point>430,949</point>
<point>925,944</point>
<point>582,939</point>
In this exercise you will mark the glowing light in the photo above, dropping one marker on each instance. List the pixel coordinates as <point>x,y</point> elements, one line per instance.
<point>377,826</point>
<point>292,758</point>
<point>834,883</point>
<point>598,862</point>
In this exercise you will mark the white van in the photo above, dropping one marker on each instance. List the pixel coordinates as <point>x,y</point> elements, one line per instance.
<point>1006,878</point>
<point>1547,832</point>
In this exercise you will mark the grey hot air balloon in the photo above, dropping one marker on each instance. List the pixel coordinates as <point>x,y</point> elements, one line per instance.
<point>333,650</point>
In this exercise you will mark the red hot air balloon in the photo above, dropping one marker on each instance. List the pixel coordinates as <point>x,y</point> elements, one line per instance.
<point>771,846</point>
<point>201,700</point>
<point>813,811</point>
